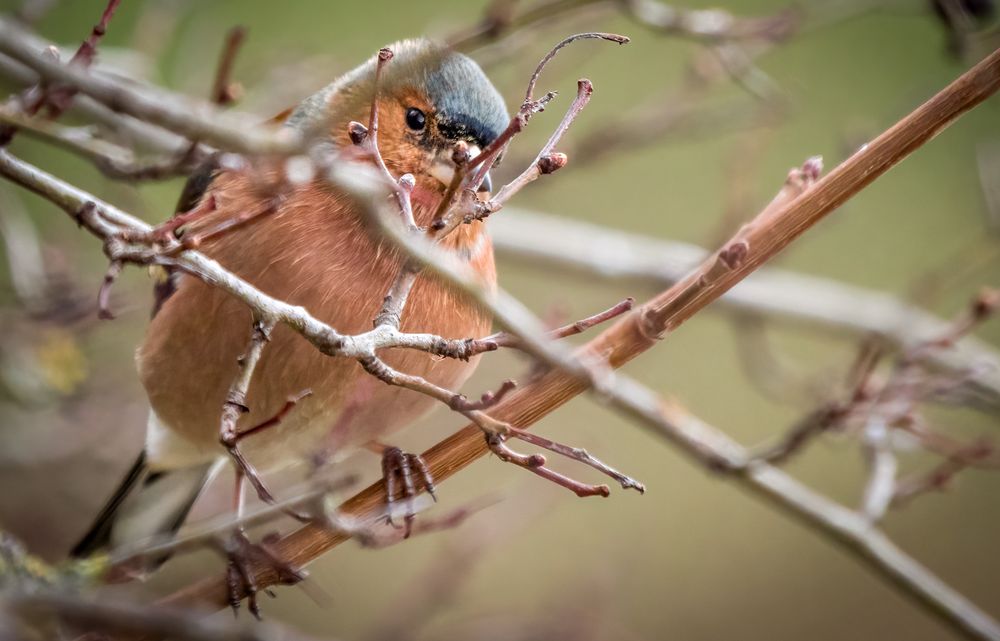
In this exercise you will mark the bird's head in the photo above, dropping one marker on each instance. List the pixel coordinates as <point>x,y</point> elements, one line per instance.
<point>429,98</point>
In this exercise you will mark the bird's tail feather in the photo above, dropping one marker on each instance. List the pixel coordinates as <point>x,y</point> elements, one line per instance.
<point>146,504</point>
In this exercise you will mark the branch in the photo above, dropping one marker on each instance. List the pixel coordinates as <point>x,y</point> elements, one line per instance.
<point>711,25</point>
<point>196,120</point>
<point>118,617</point>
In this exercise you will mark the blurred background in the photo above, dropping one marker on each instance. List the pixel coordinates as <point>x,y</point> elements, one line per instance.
<point>695,558</point>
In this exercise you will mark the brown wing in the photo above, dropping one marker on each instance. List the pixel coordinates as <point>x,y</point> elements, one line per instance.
<point>194,189</point>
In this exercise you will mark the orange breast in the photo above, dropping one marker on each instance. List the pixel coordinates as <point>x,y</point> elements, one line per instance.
<point>313,251</point>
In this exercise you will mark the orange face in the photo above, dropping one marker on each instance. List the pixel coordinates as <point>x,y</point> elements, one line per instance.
<point>411,142</point>
<point>415,138</point>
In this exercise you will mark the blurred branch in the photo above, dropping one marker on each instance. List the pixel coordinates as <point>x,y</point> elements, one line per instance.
<point>939,477</point>
<point>597,251</point>
<point>196,120</point>
<point>114,161</point>
<point>706,25</point>
<point>23,247</point>
<point>31,11</point>
<point>122,617</point>
<point>687,112</point>
<point>56,99</point>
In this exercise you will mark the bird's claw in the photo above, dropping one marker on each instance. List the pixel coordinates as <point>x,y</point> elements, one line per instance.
<point>398,465</point>
<point>242,555</point>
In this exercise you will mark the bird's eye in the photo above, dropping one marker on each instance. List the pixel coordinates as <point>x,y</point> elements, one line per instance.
<point>415,119</point>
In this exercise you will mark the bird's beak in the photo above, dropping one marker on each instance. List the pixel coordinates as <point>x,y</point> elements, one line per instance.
<point>443,168</point>
<point>486,185</point>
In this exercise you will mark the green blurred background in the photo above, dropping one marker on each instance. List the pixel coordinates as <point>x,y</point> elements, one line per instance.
<point>695,558</point>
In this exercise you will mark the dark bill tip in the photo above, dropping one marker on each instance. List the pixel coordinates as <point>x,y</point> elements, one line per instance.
<point>487,184</point>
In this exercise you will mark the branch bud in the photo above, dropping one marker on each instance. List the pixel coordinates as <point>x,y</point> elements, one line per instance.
<point>986,303</point>
<point>460,153</point>
<point>552,162</point>
<point>407,182</point>
<point>357,132</point>
<point>812,168</point>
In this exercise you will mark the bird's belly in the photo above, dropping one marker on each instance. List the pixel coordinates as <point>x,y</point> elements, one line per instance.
<point>189,358</point>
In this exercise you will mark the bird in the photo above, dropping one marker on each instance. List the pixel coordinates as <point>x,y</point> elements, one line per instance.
<point>312,248</point>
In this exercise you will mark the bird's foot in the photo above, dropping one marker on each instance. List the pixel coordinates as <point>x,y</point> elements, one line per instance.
<point>404,470</point>
<point>245,559</point>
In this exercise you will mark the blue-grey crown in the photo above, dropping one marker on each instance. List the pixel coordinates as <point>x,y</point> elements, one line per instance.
<point>468,105</point>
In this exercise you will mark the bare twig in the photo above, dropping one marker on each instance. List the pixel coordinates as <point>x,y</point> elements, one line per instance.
<point>939,477</point>
<point>506,339</point>
<point>547,161</point>
<point>703,25</point>
<point>121,617</point>
<point>84,56</point>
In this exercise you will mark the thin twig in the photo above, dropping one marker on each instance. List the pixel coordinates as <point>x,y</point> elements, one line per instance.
<point>235,404</point>
<point>506,339</point>
<point>58,99</point>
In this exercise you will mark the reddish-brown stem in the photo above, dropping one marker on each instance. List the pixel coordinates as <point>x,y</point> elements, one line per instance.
<point>460,156</point>
<point>535,463</point>
<point>85,54</point>
<point>195,240</point>
<point>487,400</point>
<point>506,339</point>
<point>165,230</point>
<point>224,90</point>
<point>529,107</point>
<point>546,161</point>
<point>279,416</point>
<point>58,99</point>
<point>941,475</point>
<point>578,454</point>
<point>371,135</point>
<point>104,294</point>
<point>235,406</point>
